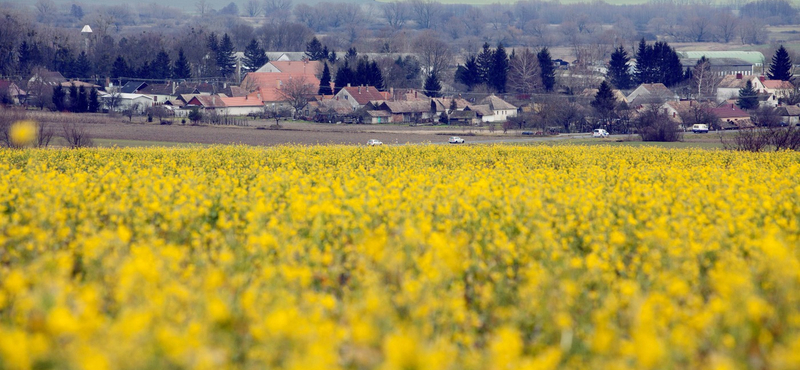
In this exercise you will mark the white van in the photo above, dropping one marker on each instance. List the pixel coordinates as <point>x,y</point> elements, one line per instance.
<point>699,128</point>
<point>599,132</point>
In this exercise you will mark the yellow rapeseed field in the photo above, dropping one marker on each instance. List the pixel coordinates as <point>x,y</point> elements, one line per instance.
<point>410,257</point>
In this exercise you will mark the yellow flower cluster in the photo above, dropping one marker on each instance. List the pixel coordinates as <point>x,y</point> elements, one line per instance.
<point>411,257</point>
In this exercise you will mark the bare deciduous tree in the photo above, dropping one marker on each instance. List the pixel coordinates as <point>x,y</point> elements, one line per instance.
<point>202,7</point>
<point>726,25</point>
<point>45,10</point>
<point>77,135</point>
<point>704,80</point>
<point>396,13</point>
<point>44,135</point>
<point>296,92</point>
<point>524,73</point>
<point>253,8</point>
<point>425,12</point>
<point>435,55</point>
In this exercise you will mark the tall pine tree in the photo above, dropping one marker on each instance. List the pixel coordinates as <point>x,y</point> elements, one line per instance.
<point>83,67</point>
<point>658,63</point>
<point>781,66</point>
<point>160,67</point>
<point>604,102</point>
<point>255,56</point>
<point>432,86</point>
<point>94,101</point>
<point>325,81</point>
<point>748,97</point>
<point>484,63</point>
<point>226,63</point>
<point>547,70</point>
<point>181,69</point>
<point>344,76</point>
<point>315,51</point>
<point>120,68</point>
<point>498,75</point>
<point>468,74</point>
<point>618,69</point>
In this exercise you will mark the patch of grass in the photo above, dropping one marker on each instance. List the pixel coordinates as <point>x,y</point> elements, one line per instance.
<point>107,143</point>
<point>697,144</point>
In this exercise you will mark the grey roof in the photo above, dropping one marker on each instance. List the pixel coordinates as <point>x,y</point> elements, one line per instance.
<point>398,107</point>
<point>132,87</point>
<point>495,103</point>
<point>754,57</point>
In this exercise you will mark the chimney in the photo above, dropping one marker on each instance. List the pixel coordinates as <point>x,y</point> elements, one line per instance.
<point>367,87</point>
<point>359,90</point>
<point>738,76</point>
<point>731,106</point>
<point>761,78</point>
<point>348,85</point>
<point>391,93</point>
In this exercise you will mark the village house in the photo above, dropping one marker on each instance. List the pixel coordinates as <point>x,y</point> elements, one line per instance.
<point>121,102</point>
<point>403,111</point>
<point>11,91</point>
<point>730,85</point>
<point>790,114</point>
<point>781,89</point>
<point>498,109</point>
<point>359,96</point>
<point>731,116</point>
<point>650,93</point>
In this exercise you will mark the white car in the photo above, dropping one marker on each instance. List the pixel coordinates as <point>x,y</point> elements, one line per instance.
<point>373,142</point>
<point>455,140</point>
<point>599,132</point>
<point>700,128</point>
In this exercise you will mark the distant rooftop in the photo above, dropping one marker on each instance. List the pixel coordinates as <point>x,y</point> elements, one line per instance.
<point>754,57</point>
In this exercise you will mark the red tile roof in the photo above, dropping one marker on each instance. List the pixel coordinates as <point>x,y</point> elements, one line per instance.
<point>242,101</point>
<point>777,84</point>
<point>729,111</point>
<point>365,94</point>
<point>269,83</point>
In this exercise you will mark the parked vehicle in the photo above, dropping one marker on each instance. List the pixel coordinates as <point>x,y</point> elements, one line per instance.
<point>699,128</point>
<point>373,142</point>
<point>599,132</point>
<point>455,140</point>
<point>527,132</point>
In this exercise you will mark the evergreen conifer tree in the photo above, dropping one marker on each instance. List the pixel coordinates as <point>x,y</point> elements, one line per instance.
<point>618,69</point>
<point>94,101</point>
<point>484,63</point>
<point>468,74</point>
<point>548,72</point>
<point>181,69</point>
<point>315,51</point>
<point>83,67</point>
<point>343,77</point>
<point>748,97</point>
<point>604,102</point>
<point>120,68</point>
<point>160,68</point>
<point>432,86</point>
<point>64,62</point>
<point>73,98</point>
<point>82,104</point>
<point>58,98</point>
<point>325,81</point>
<point>255,56</point>
<point>498,75</point>
<point>225,59</point>
<point>781,66</point>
